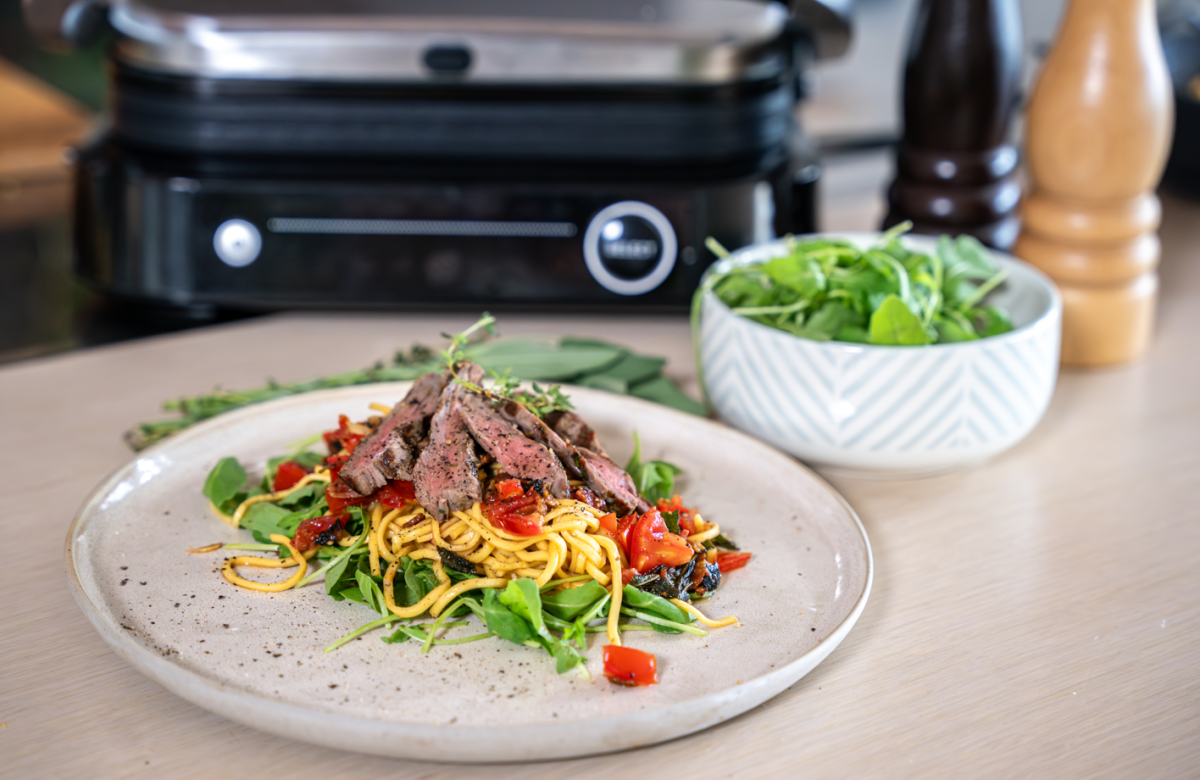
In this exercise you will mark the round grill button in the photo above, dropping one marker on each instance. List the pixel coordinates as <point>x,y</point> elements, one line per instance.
<point>237,242</point>
<point>630,247</point>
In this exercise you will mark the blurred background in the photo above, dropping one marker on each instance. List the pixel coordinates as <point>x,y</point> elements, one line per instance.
<point>50,100</point>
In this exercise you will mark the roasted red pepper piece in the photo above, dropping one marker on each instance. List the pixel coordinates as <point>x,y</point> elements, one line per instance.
<point>519,514</point>
<point>341,438</point>
<point>629,666</point>
<point>651,544</point>
<point>309,530</point>
<point>288,474</point>
<point>398,493</point>
<point>728,561</point>
<point>339,495</point>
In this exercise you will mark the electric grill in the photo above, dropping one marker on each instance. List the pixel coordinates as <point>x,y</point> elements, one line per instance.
<point>536,154</point>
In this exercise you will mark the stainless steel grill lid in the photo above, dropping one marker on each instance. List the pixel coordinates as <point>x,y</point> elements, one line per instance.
<point>690,42</point>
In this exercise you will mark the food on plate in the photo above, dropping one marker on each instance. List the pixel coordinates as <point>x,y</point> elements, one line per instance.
<point>830,289</point>
<point>499,502</point>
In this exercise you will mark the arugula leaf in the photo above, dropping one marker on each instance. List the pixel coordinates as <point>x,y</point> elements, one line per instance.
<point>225,480</point>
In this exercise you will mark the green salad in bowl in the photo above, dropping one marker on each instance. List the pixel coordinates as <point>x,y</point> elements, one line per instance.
<point>828,288</point>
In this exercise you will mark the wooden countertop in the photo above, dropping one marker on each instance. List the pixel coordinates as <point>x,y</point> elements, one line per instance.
<point>1039,614</point>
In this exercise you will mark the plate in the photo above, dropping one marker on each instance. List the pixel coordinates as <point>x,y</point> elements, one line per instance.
<point>257,658</point>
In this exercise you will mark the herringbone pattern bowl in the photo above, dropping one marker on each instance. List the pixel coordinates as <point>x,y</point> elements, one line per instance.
<point>887,412</point>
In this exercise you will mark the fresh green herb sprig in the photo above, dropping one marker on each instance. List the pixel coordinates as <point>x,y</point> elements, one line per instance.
<point>827,289</point>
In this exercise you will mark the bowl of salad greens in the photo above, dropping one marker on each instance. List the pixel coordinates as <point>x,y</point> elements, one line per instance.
<point>877,354</point>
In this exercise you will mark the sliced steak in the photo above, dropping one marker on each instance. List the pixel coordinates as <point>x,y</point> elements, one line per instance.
<point>575,430</point>
<point>446,476</point>
<point>610,482</point>
<point>518,455</point>
<point>388,453</point>
<point>533,427</point>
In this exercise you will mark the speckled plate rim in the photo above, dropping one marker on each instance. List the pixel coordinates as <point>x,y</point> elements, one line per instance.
<point>456,744</point>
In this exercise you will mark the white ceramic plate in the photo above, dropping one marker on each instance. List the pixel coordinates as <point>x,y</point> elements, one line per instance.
<point>257,658</point>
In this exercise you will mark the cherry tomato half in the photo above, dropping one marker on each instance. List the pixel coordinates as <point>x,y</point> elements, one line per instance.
<point>651,544</point>
<point>288,474</point>
<point>728,561</point>
<point>629,666</point>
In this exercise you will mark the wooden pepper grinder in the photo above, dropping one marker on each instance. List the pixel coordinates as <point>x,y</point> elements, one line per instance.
<point>1098,134</point>
<point>955,173</point>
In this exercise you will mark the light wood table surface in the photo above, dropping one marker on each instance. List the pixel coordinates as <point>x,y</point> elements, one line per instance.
<point>1039,615</point>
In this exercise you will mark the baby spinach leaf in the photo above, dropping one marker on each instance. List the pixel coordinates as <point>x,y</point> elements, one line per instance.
<point>505,623</point>
<point>225,480</point>
<point>303,496</point>
<point>372,594</point>
<point>263,519</point>
<point>894,323</point>
<point>655,605</point>
<point>654,479</point>
<point>571,603</point>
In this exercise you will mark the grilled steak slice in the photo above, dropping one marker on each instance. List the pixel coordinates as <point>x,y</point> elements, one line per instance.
<point>610,482</point>
<point>516,454</point>
<point>388,453</point>
<point>577,432</point>
<point>446,477</point>
<point>533,427</point>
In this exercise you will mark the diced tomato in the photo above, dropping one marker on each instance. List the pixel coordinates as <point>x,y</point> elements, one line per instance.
<point>630,666</point>
<point>288,474</point>
<point>687,526</point>
<point>306,534</point>
<point>340,495</point>
<point>651,544</point>
<point>728,561</point>
<point>627,575</point>
<point>397,493</point>
<point>509,488</point>
<point>609,523</point>
<point>520,514</point>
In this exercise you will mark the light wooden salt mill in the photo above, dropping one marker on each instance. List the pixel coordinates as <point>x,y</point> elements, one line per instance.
<point>1098,133</point>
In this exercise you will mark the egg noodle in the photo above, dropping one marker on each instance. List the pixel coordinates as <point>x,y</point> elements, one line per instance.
<point>570,546</point>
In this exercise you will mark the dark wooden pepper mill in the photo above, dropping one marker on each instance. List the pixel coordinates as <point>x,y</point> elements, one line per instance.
<point>955,171</point>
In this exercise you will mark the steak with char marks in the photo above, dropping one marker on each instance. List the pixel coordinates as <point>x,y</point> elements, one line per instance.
<point>389,452</point>
<point>533,427</point>
<point>575,430</point>
<point>446,477</point>
<point>611,483</point>
<point>518,455</point>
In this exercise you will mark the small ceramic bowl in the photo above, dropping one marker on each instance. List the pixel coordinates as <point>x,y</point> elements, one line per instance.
<point>881,411</point>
